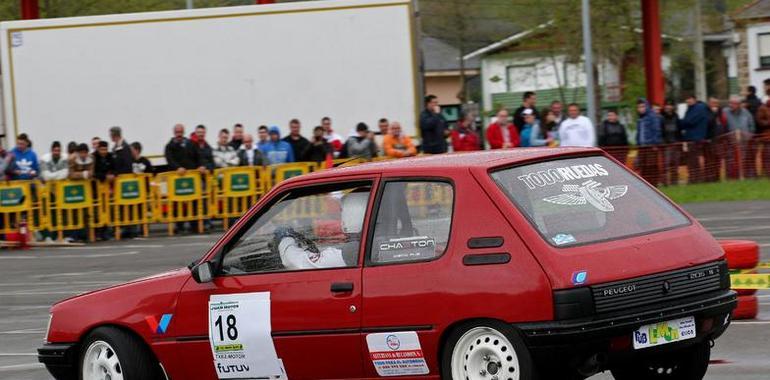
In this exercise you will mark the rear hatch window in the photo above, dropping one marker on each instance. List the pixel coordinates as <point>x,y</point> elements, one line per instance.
<point>585,200</point>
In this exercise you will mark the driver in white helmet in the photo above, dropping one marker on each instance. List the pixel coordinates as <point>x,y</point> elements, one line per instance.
<point>297,252</point>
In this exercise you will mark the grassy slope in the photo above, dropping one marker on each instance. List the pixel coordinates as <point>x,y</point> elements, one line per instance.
<point>747,190</point>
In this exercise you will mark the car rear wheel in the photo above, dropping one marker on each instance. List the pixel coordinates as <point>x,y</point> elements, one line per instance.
<point>688,364</point>
<point>112,354</point>
<point>488,350</point>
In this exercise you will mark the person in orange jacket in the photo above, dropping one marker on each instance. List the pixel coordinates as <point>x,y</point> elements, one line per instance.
<point>397,145</point>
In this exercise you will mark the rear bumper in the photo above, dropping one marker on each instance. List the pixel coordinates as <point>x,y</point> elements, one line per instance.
<point>59,359</point>
<point>612,335</point>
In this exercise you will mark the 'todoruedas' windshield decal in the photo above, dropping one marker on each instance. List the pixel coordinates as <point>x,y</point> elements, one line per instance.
<point>590,191</point>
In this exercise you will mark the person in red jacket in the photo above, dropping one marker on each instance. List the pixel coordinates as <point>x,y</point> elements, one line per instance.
<point>502,134</point>
<point>464,138</point>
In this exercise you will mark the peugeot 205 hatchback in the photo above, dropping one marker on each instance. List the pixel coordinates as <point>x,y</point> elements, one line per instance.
<point>516,264</point>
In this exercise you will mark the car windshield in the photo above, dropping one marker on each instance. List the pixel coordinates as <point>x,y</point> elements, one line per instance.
<point>584,200</point>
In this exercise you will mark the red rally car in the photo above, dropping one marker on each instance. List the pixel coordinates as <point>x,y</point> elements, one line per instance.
<point>501,265</point>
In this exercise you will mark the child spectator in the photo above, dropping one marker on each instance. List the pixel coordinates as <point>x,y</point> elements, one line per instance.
<point>104,165</point>
<point>81,165</point>
<point>361,145</point>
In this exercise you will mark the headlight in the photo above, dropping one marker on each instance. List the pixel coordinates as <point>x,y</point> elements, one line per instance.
<point>48,328</point>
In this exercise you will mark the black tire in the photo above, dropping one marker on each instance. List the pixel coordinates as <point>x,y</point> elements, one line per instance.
<point>526,366</point>
<point>136,360</point>
<point>690,363</point>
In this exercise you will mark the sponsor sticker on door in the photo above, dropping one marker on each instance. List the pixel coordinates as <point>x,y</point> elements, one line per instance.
<point>397,354</point>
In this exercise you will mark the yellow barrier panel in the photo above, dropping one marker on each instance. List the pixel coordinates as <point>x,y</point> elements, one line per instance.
<point>750,281</point>
<point>285,171</point>
<point>182,198</point>
<point>130,205</point>
<point>21,201</point>
<point>765,265</point>
<point>237,189</point>
<point>71,207</point>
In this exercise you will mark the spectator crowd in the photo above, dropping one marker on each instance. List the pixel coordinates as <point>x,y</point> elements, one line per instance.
<point>664,139</point>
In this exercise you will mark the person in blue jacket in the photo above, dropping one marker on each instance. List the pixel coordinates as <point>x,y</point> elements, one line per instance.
<point>648,136</point>
<point>276,150</point>
<point>695,127</point>
<point>25,164</point>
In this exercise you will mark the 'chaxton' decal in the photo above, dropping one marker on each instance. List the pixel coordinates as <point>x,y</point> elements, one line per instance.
<point>589,192</point>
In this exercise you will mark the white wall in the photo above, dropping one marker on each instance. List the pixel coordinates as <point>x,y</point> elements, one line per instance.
<point>756,77</point>
<point>74,78</point>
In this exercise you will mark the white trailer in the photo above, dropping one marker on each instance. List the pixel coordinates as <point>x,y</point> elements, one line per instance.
<point>71,79</point>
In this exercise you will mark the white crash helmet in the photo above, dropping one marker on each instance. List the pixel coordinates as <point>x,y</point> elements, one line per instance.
<point>353,211</point>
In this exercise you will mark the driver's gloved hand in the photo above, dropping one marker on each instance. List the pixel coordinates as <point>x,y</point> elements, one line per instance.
<point>282,232</point>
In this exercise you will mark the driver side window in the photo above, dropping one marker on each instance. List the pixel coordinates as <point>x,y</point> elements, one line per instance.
<point>304,230</point>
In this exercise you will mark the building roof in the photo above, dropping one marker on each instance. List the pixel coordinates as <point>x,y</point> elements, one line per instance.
<point>436,164</point>
<point>756,9</point>
<point>439,55</point>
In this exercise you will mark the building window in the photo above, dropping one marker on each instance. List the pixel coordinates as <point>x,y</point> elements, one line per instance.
<point>521,78</point>
<point>764,50</point>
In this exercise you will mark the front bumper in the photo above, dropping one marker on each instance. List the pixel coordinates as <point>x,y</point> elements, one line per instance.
<point>60,359</point>
<point>612,335</point>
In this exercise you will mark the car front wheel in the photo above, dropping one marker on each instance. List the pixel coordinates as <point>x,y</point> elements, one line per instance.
<point>112,354</point>
<point>687,364</point>
<point>486,350</point>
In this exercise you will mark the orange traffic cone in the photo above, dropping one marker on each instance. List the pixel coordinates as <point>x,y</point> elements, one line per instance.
<point>329,161</point>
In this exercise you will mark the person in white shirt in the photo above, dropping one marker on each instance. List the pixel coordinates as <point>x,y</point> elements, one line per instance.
<point>576,130</point>
<point>248,154</point>
<point>225,155</point>
<point>53,166</point>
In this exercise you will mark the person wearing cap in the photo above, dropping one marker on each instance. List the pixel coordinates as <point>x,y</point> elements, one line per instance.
<point>121,152</point>
<point>276,150</point>
<point>530,131</point>
<point>502,134</point>
<point>361,144</point>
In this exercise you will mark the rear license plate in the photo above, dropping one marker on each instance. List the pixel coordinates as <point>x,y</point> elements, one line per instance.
<point>664,332</point>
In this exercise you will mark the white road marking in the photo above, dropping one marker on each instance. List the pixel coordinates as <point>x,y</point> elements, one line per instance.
<point>64,256</point>
<point>24,331</point>
<point>17,354</point>
<point>115,247</point>
<point>21,366</point>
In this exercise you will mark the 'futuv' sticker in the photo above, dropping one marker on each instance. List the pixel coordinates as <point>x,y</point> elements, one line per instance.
<point>562,239</point>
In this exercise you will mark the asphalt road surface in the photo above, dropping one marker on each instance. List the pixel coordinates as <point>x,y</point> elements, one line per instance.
<point>30,281</point>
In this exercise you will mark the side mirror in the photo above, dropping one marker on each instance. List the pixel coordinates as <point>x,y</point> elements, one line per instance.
<point>202,272</point>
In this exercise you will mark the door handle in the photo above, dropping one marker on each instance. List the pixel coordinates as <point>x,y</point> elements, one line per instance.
<point>342,287</point>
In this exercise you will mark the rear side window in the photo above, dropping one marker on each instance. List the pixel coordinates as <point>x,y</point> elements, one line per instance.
<point>413,222</point>
<point>584,200</point>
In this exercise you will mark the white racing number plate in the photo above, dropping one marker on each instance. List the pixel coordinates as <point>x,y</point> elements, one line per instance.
<point>664,332</point>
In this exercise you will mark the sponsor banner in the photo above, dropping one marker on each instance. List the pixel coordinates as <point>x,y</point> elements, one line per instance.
<point>14,197</point>
<point>130,191</point>
<point>239,334</point>
<point>184,188</point>
<point>239,183</point>
<point>287,171</point>
<point>72,194</point>
<point>397,354</point>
